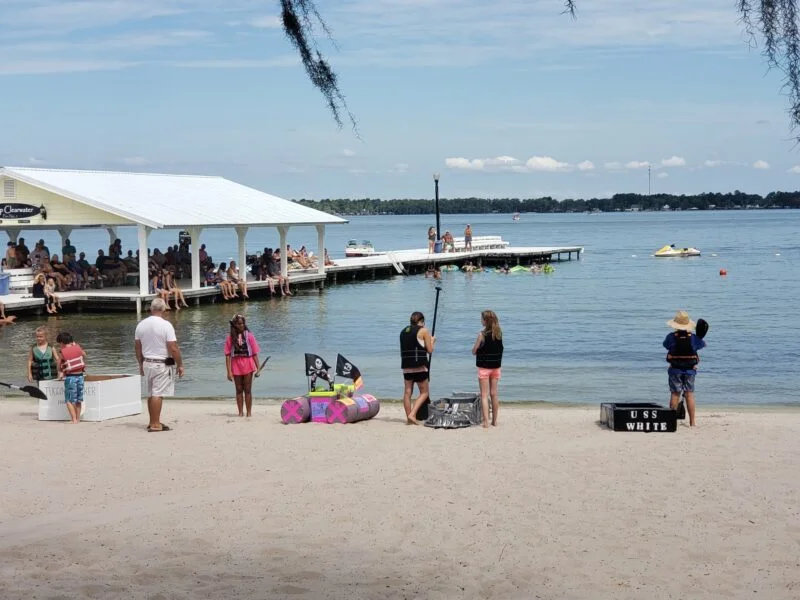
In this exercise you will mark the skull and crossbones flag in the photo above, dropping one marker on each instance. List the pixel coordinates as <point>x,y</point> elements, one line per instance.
<point>317,367</point>
<point>346,369</point>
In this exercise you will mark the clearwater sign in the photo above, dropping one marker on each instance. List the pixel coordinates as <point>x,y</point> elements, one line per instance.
<point>14,212</point>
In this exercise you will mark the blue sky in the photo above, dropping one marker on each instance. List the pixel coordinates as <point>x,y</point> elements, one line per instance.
<point>503,98</point>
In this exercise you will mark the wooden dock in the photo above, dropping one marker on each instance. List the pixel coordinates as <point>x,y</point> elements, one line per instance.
<point>383,264</point>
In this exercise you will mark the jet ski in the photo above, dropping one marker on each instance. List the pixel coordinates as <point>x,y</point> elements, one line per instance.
<point>672,251</point>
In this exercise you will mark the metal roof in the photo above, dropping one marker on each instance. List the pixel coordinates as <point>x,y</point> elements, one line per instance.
<point>167,201</point>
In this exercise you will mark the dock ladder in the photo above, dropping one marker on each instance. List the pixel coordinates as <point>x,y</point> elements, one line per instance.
<point>398,266</point>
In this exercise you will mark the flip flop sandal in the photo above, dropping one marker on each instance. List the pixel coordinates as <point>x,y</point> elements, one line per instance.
<point>163,428</point>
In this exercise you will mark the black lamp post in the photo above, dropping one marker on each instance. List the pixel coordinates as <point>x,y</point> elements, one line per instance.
<point>436,187</point>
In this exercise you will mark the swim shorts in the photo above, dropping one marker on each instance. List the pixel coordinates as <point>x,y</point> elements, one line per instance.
<point>73,388</point>
<point>417,377</point>
<point>680,381</point>
<point>488,373</point>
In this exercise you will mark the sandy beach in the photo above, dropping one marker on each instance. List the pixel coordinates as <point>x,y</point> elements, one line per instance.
<point>548,505</point>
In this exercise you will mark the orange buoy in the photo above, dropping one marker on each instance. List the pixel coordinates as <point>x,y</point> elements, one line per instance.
<point>723,272</point>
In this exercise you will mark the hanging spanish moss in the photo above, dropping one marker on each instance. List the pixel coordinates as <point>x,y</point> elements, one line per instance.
<point>777,22</point>
<point>299,20</point>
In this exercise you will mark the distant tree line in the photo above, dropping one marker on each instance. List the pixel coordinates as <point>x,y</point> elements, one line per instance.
<point>619,202</point>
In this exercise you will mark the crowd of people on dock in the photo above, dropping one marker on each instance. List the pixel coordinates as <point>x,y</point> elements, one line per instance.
<point>72,271</point>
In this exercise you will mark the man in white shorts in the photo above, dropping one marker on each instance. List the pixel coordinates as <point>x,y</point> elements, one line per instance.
<point>159,358</point>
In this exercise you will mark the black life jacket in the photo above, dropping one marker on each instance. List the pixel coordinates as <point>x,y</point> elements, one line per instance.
<point>490,354</point>
<point>683,355</point>
<point>411,353</point>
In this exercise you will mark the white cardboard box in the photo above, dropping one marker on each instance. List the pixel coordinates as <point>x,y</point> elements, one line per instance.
<point>104,397</point>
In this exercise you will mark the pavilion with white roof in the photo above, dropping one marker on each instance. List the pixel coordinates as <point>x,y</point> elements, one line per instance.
<point>64,200</point>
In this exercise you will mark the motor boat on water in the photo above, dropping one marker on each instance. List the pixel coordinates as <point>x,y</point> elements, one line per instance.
<point>515,217</point>
<point>359,248</point>
<point>672,251</point>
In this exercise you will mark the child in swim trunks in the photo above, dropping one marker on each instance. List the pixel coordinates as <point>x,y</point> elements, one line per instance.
<point>73,365</point>
<point>682,346</point>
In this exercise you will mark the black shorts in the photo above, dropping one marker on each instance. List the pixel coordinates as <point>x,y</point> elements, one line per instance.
<point>416,377</point>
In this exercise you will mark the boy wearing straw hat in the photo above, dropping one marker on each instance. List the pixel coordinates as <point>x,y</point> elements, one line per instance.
<point>682,346</point>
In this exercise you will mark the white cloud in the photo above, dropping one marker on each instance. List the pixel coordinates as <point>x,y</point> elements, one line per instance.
<point>357,171</point>
<point>662,175</point>
<point>508,163</point>
<point>714,163</point>
<point>36,162</point>
<point>674,161</point>
<point>586,165</point>
<point>545,163</point>
<point>795,169</point>
<point>637,164</point>
<point>761,164</point>
<point>348,153</point>
<point>399,168</point>
<point>464,163</point>
<point>613,166</point>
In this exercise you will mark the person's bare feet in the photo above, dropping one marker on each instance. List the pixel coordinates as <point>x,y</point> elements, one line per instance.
<point>410,421</point>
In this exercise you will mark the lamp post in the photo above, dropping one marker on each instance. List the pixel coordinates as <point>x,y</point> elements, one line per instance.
<point>436,187</point>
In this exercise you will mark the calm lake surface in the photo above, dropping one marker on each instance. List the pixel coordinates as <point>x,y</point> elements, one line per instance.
<point>590,332</point>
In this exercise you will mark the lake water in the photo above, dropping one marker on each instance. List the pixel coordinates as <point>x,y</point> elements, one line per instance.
<point>590,332</point>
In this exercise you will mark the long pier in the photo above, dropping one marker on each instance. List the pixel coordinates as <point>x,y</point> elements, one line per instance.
<point>382,264</point>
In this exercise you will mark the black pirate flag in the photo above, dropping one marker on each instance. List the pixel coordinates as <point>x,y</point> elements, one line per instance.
<point>346,369</point>
<point>317,367</point>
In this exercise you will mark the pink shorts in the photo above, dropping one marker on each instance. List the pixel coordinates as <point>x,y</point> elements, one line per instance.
<point>488,373</point>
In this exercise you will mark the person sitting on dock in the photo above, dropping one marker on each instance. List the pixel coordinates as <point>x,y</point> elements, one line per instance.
<point>448,245</point>
<point>158,286</point>
<point>63,270</point>
<point>226,287</point>
<point>237,279</point>
<point>328,261</point>
<point>293,256</point>
<point>47,271</point>
<point>39,254</point>
<point>210,277</point>
<point>111,268</point>
<point>89,270</point>
<point>172,287</point>
<point>274,271</point>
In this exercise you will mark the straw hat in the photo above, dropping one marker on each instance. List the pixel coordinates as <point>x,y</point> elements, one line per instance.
<point>681,320</point>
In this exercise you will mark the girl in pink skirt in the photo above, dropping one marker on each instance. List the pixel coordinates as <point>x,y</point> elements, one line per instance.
<point>241,359</point>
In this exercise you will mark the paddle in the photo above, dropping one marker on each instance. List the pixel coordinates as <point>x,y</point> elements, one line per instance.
<point>31,390</point>
<point>701,329</point>
<point>262,366</point>
<point>422,413</point>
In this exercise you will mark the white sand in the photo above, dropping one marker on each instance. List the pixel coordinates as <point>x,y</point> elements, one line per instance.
<point>548,505</point>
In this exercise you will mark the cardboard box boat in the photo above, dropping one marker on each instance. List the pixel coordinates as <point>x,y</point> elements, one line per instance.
<point>104,397</point>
